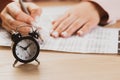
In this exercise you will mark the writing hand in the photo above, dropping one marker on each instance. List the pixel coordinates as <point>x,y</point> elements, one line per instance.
<point>12,16</point>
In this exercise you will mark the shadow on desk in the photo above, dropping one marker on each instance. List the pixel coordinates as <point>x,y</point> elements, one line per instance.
<point>27,68</point>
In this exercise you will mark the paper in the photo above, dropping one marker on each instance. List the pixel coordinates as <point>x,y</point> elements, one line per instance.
<point>100,40</point>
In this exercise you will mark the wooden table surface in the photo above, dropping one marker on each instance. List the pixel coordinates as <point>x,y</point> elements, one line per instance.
<point>60,66</point>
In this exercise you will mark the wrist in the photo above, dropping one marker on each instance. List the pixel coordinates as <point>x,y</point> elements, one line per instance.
<point>102,13</point>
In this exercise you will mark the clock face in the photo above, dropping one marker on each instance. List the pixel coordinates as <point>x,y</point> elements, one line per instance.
<point>26,50</point>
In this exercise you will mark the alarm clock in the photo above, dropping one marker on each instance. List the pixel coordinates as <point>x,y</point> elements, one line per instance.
<point>25,49</point>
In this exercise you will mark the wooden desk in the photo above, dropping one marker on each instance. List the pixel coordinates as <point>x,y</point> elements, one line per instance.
<point>61,66</point>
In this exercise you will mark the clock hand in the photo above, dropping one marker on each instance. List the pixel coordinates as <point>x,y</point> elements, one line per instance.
<point>21,47</point>
<point>27,46</point>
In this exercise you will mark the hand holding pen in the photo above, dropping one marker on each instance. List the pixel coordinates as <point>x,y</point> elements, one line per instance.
<point>14,14</point>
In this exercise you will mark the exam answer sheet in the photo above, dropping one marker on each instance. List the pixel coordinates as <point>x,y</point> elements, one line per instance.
<point>100,40</point>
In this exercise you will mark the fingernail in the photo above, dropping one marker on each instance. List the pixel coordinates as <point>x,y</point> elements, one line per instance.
<point>64,34</point>
<point>80,33</point>
<point>55,34</point>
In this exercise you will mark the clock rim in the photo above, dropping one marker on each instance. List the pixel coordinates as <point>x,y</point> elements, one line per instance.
<point>32,59</point>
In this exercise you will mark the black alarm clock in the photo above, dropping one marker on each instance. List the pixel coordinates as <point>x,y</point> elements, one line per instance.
<point>25,48</point>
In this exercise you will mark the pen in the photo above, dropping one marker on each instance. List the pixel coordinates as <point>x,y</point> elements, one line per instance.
<point>27,12</point>
<point>23,7</point>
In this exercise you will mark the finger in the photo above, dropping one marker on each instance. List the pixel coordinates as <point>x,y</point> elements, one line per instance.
<point>6,27</point>
<point>59,20</point>
<point>14,10</point>
<point>21,27</point>
<point>54,33</point>
<point>11,24</point>
<point>6,18</point>
<point>65,24</point>
<point>73,28</point>
<point>34,10</point>
<point>86,28</point>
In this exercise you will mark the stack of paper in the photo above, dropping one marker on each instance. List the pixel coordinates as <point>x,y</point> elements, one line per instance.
<point>100,40</point>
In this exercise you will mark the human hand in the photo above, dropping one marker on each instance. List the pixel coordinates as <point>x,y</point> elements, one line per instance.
<point>80,19</point>
<point>12,16</point>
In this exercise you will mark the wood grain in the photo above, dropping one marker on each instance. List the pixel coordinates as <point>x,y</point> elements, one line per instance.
<point>60,66</point>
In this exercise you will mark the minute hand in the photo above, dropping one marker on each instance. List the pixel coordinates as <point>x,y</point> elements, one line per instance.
<point>27,46</point>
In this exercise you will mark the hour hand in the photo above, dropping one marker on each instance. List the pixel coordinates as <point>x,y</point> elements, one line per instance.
<point>21,47</point>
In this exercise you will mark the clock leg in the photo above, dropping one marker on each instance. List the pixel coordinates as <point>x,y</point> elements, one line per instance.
<point>37,61</point>
<point>15,63</point>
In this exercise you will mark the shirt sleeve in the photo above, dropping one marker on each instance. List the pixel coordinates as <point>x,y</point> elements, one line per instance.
<point>111,7</point>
